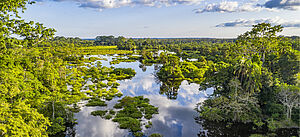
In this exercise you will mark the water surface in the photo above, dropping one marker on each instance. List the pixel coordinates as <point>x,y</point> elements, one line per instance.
<point>176,117</point>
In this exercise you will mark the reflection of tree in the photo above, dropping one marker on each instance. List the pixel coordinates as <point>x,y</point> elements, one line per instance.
<point>170,87</point>
<point>238,129</point>
<point>170,76</point>
<point>69,132</point>
<point>156,66</point>
<point>225,129</point>
<point>143,67</point>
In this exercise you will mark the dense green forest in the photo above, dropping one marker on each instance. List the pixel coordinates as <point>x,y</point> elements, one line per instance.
<point>255,77</point>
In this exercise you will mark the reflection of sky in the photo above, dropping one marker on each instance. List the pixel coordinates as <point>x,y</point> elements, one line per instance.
<point>175,118</point>
<point>91,126</point>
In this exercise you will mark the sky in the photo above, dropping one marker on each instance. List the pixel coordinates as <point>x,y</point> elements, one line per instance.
<point>163,18</point>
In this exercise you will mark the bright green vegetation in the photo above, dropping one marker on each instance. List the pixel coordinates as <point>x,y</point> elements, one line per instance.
<point>117,61</point>
<point>155,135</point>
<point>255,78</point>
<point>96,102</point>
<point>133,109</point>
<point>99,50</point>
<point>99,89</point>
<point>100,113</point>
<point>28,88</point>
<point>75,60</point>
<point>255,81</point>
<point>123,73</point>
<point>38,83</point>
<point>176,70</point>
<point>112,112</point>
<point>103,114</point>
<point>149,124</point>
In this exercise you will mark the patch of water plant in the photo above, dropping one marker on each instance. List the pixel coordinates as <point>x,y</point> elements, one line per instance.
<point>100,90</point>
<point>129,114</point>
<point>96,102</point>
<point>119,60</point>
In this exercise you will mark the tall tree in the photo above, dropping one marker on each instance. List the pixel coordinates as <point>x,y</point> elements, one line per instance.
<point>19,87</point>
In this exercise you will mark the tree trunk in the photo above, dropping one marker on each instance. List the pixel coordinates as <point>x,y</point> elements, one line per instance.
<point>53,110</point>
<point>289,113</point>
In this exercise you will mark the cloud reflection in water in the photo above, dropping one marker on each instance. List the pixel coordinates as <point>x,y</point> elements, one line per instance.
<point>175,118</point>
<point>91,126</point>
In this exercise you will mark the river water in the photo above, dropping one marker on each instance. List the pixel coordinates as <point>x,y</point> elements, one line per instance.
<point>176,117</point>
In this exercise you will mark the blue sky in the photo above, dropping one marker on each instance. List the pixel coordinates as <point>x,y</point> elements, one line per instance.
<point>163,18</point>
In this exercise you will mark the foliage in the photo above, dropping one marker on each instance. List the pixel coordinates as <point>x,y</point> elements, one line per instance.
<point>123,73</point>
<point>117,61</point>
<point>249,85</point>
<point>99,113</point>
<point>289,96</point>
<point>20,86</point>
<point>96,102</point>
<point>133,110</point>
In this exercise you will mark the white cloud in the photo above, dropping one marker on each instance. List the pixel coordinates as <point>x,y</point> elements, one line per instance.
<point>250,22</point>
<point>108,4</point>
<point>229,6</point>
<point>224,6</point>
<point>136,86</point>
<point>283,4</point>
<point>173,120</point>
<point>234,6</point>
<point>93,126</point>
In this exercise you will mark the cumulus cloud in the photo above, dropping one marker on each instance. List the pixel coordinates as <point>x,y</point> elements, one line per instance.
<point>229,6</point>
<point>283,4</point>
<point>234,6</point>
<point>250,22</point>
<point>173,120</point>
<point>108,4</point>
<point>224,6</point>
<point>91,126</point>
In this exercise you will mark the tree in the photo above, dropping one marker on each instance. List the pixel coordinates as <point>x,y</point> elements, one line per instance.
<point>245,82</point>
<point>20,89</point>
<point>289,96</point>
<point>262,39</point>
<point>20,119</point>
<point>249,73</point>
